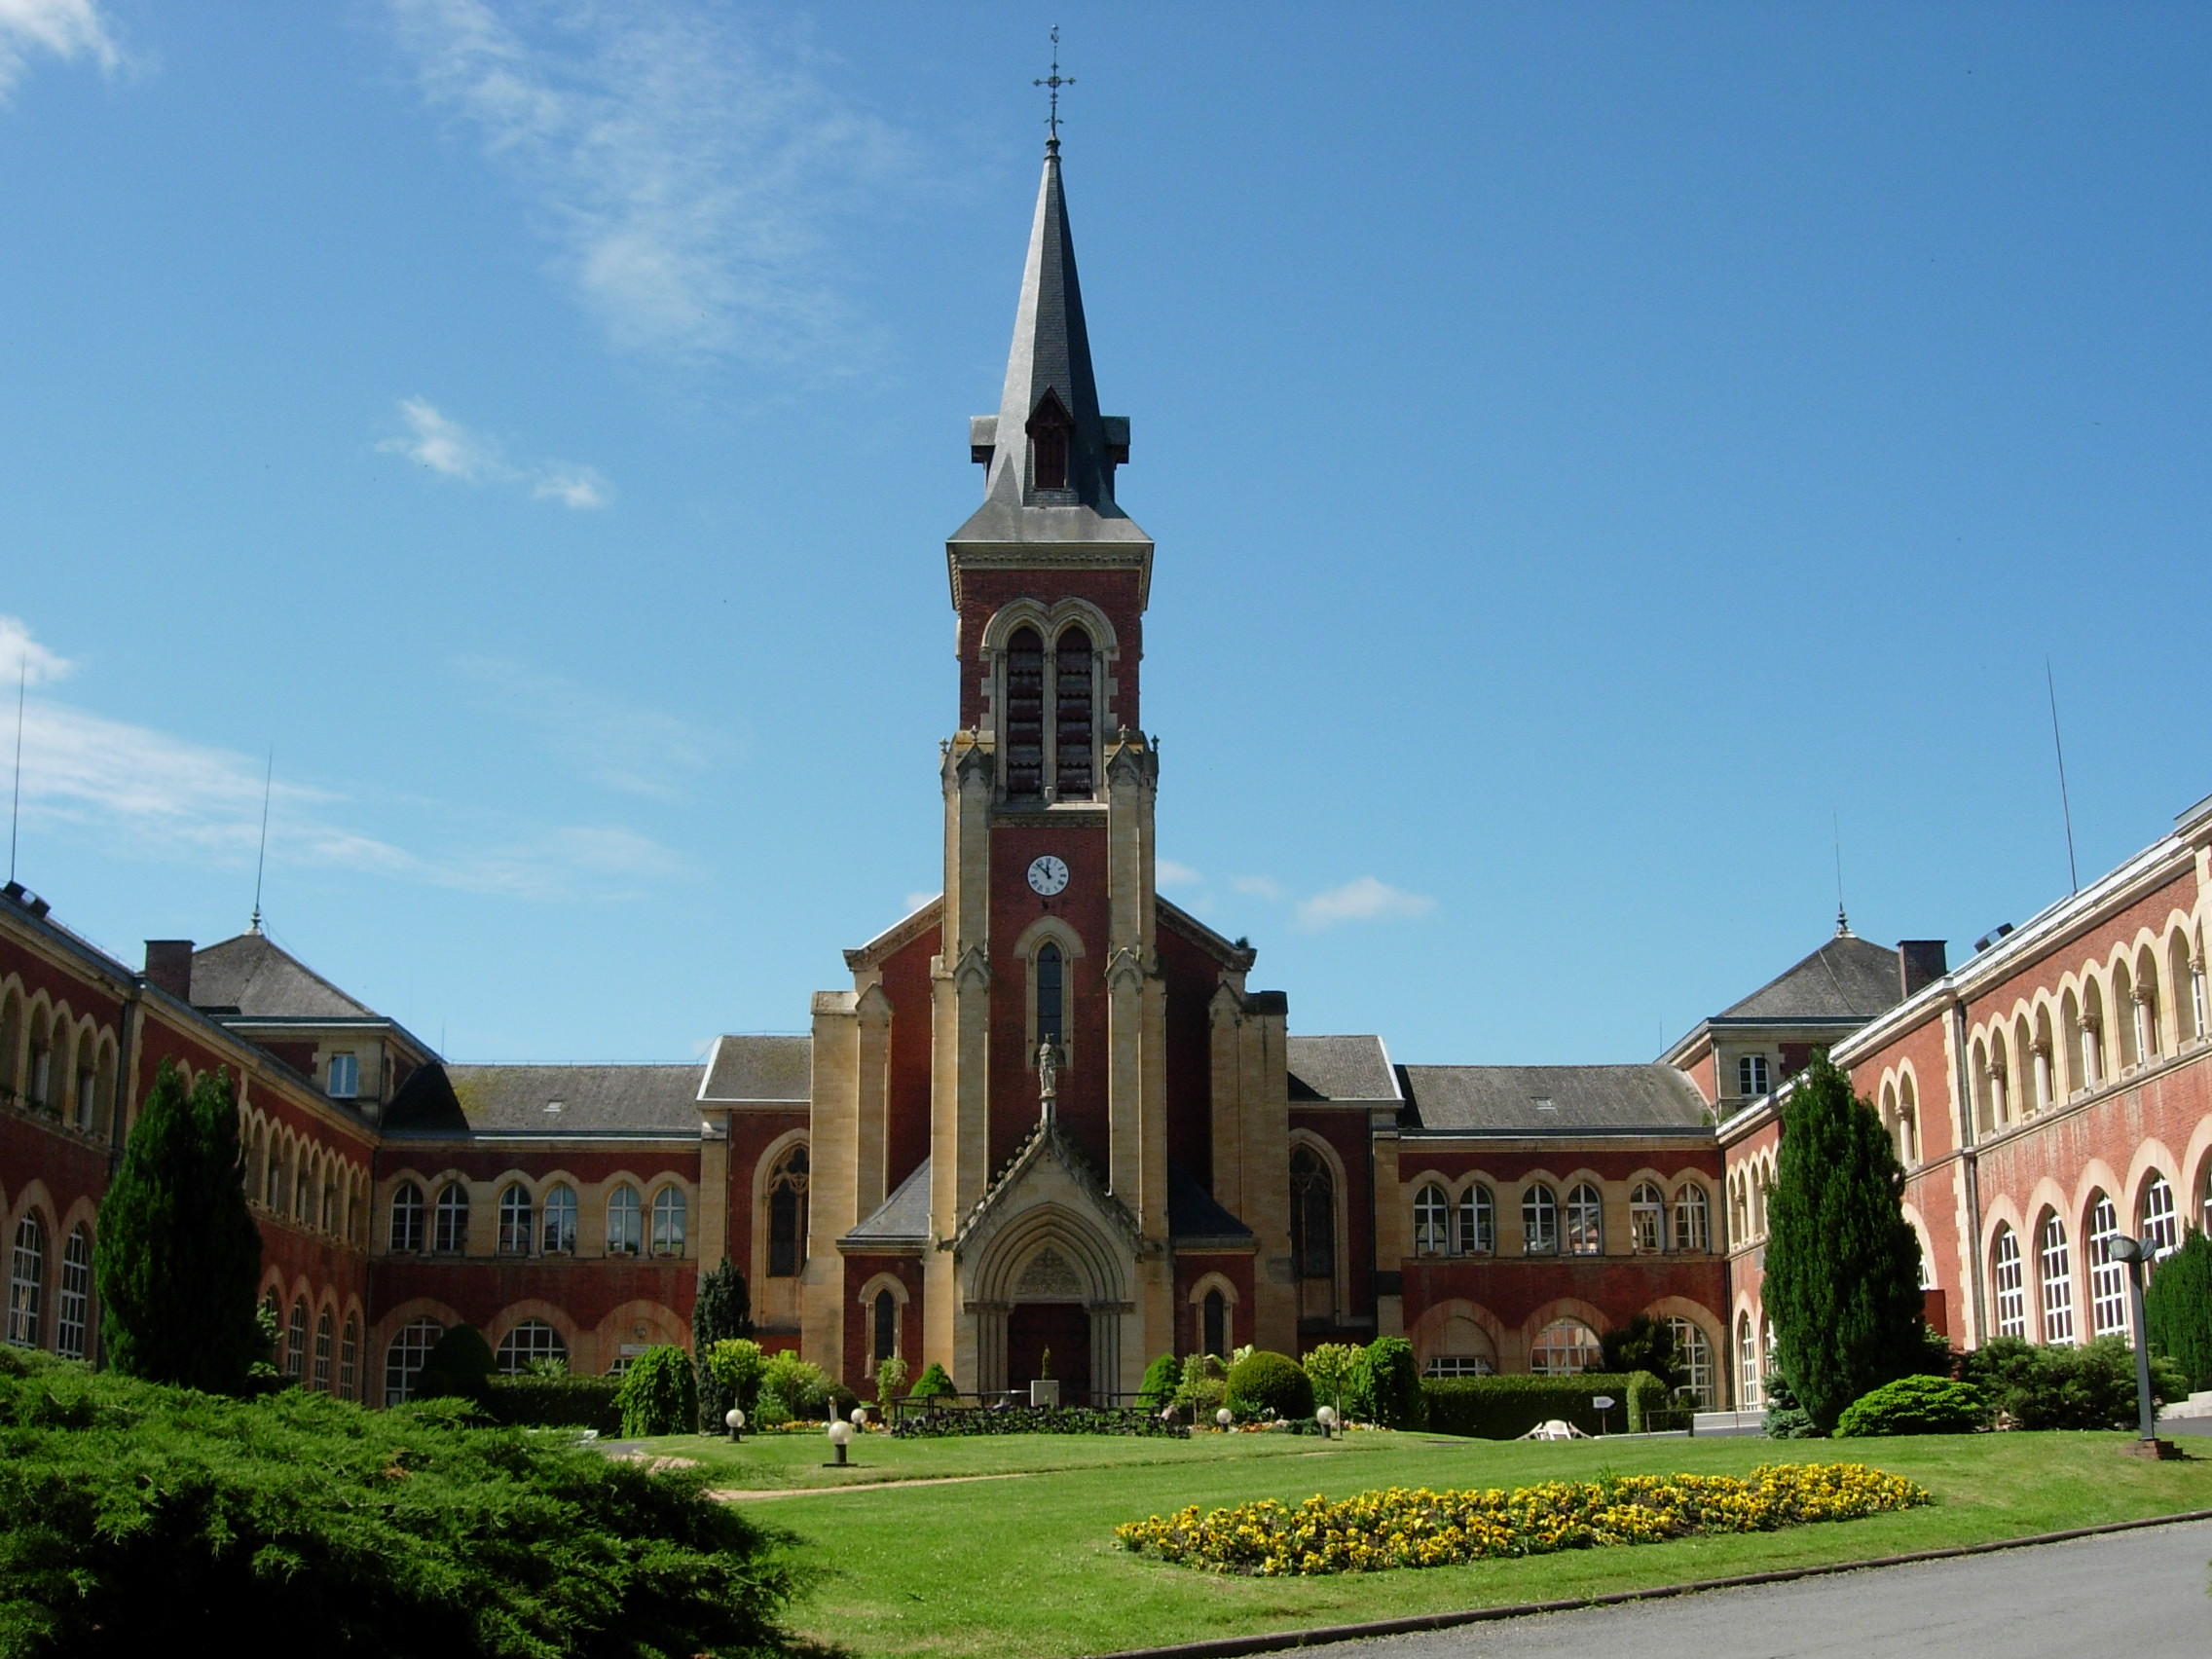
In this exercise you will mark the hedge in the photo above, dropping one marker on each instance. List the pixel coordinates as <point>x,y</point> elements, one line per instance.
<point>557,1401</point>
<point>1505,1408</point>
<point>1036,1420</point>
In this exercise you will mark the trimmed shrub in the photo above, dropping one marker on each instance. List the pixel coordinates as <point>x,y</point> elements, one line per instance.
<point>1159,1379</point>
<point>457,1367</point>
<point>1330,1368</point>
<point>554,1400</point>
<point>658,1394</point>
<point>1505,1408</point>
<point>1916,1404</point>
<point>139,1518</point>
<point>1270,1382</point>
<point>1393,1383</point>
<point>2177,1308</point>
<point>1036,1420</point>
<point>2091,1386</point>
<point>933,1384</point>
<point>736,1363</point>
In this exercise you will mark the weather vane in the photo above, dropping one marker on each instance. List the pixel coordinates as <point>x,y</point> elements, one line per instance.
<point>1055,80</point>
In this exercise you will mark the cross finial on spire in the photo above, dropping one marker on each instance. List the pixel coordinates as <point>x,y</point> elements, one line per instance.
<point>1054,81</point>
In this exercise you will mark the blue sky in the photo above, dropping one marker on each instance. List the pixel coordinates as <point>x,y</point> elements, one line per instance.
<point>1591,452</point>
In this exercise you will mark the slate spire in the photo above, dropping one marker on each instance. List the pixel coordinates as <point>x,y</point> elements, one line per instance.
<point>1048,445</point>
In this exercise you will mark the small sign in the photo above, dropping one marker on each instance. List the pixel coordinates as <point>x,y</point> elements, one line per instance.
<point>1603,1402</point>
<point>631,1351</point>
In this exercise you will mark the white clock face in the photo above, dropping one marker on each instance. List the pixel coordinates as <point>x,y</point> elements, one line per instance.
<point>1047,875</point>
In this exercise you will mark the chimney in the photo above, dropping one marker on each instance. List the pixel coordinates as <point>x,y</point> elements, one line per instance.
<point>169,964</point>
<point>1921,962</point>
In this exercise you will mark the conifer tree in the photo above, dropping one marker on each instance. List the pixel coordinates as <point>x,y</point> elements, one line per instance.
<point>178,1255</point>
<point>2177,1306</point>
<point>725,1309</point>
<point>1842,1263</point>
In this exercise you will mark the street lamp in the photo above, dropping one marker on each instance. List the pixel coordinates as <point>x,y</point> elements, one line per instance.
<point>735,1420</point>
<point>2135,1252</point>
<point>1326,1416</point>
<point>1225,1416</point>
<point>841,1437</point>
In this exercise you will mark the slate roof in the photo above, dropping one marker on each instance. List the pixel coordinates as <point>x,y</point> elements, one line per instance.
<point>254,977</point>
<point>759,1070</point>
<point>657,1100</point>
<point>901,1219</point>
<point>1630,1099</point>
<point>1193,1213</point>
<point>1848,978</point>
<point>1339,1068</point>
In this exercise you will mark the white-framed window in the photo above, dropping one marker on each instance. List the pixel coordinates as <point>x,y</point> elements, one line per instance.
<point>1478,1224</point>
<point>1458,1365</point>
<point>1585,1221</point>
<point>515,1220</point>
<point>448,1227</point>
<point>2107,1273</point>
<point>1694,1220</point>
<point>322,1333</point>
<point>348,1357</point>
<point>1432,1221</point>
<point>625,1231</point>
<point>1565,1347</point>
<point>1751,1076</point>
<point>2161,1221</point>
<point>1539,1221</point>
<point>1696,1353</point>
<point>26,1283</point>
<point>296,1341</point>
<point>345,1077</point>
<point>1749,1378</point>
<point>406,1216</point>
<point>559,1238</point>
<point>2011,1276</point>
<point>530,1340</point>
<point>2056,1273</point>
<point>670,1214</point>
<point>403,1360</point>
<point>73,1307</point>
<point>1646,1219</point>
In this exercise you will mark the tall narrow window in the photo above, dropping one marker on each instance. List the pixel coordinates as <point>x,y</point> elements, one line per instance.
<point>670,1215</point>
<point>73,1307</point>
<point>1049,430</point>
<point>560,1235</point>
<point>1751,1076</point>
<point>1432,1221</point>
<point>515,1220</point>
<point>26,1283</point>
<point>2161,1225</point>
<point>273,1192</point>
<point>322,1375</point>
<point>1024,716</point>
<point>2107,1273</point>
<point>2057,1276</point>
<point>1072,721</point>
<point>1478,1221</point>
<point>1749,1395</point>
<point>1696,1354</point>
<point>348,1357</point>
<point>1694,1220</point>
<point>1313,1215</point>
<point>345,1077</point>
<point>1051,1001</point>
<point>1585,1221</point>
<point>625,1228</point>
<point>1539,1221</point>
<point>787,1215</point>
<point>296,1341</point>
<point>2011,1285</point>
<point>449,1232</point>
<point>406,1216</point>
<point>1216,1309</point>
<point>886,1326</point>
<point>1646,1219</point>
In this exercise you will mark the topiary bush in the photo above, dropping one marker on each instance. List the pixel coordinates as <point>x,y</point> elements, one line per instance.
<point>933,1384</point>
<point>1916,1404</point>
<point>457,1367</point>
<point>1393,1383</point>
<point>1159,1384</point>
<point>658,1396</point>
<point>137,1519</point>
<point>2177,1308</point>
<point>1263,1381</point>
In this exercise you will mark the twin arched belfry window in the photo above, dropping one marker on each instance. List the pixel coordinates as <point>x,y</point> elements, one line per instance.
<point>1049,728</point>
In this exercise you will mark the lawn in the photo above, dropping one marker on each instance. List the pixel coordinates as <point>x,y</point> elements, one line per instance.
<point>1027,1564</point>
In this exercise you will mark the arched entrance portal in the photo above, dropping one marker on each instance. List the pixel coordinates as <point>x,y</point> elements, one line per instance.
<point>1061,1328</point>
<point>1050,1279</point>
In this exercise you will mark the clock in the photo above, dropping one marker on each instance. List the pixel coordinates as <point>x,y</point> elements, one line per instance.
<point>1049,875</point>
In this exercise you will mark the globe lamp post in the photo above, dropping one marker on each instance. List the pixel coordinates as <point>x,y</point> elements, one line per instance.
<point>735,1421</point>
<point>1326,1416</point>
<point>841,1437</point>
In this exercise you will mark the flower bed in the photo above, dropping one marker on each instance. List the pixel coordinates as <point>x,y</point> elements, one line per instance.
<point>1379,1530</point>
<point>1035,1420</point>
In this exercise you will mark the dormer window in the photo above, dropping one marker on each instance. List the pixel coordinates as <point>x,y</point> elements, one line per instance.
<point>1050,430</point>
<point>345,1077</point>
<point>1751,1076</point>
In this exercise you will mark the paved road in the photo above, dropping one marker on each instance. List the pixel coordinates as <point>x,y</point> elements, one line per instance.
<point>2140,1593</point>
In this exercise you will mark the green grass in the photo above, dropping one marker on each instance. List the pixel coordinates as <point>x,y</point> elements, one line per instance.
<point>1028,1566</point>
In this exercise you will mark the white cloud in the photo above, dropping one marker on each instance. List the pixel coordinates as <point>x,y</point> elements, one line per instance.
<point>159,795</point>
<point>615,743</point>
<point>436,440</point>
<point>1257,887</point>
<point>686,170</point>
<point>1166,873</point>
<point>24,661</point>
<point>69,29</point>
<point>1365,899</point>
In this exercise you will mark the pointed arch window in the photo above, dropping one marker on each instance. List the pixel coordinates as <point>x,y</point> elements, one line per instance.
<point>2011,1285</point>
<point>2161,1224</point>
<point>2057,1276</point>
<point>1025,715</point>
<point>1478,1225</point>
<point>296,1341</point>
<point>73,1308</point>
<point>560,1237</point>
<point>670,1216</point>
<point>26,1283</point>
<point>787,1215</point>
<point>348,1357</point>
<point>1313,1215</point>
<point>1052,999</point>
<point>1646,1220</point>
<point>406,1216</point>
<point>1073,724</point>
<point>886,1326</point>
<point>1539,1221</point>
<point>1432,1221</point>
<point>1050,429</point>
<point>625,1228</point>
<point>1693,1220</point>
<point>515,1220</point>
<point>2107,1275</point>
<point>321,1374</point>
<point>449,1232</point>
<point>1216,1312</point>
<point>1585,1221</point>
